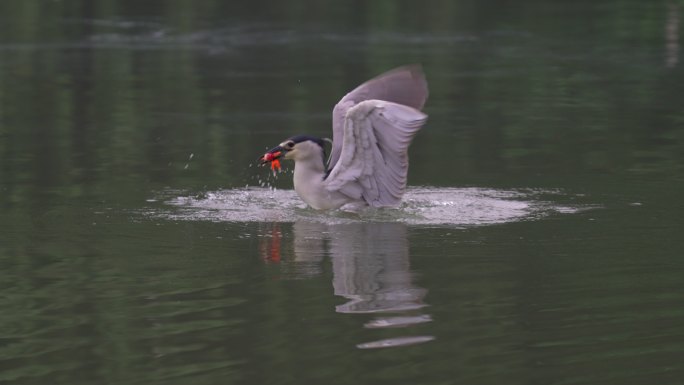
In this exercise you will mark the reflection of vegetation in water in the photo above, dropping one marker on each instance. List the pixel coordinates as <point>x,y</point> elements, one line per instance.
<point>101,95</point>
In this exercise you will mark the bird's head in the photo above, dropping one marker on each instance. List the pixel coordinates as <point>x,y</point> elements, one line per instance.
<point>297,148</point>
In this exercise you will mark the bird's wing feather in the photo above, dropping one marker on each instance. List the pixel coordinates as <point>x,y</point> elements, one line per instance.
<point>373,161</point>
<point>404,85</point>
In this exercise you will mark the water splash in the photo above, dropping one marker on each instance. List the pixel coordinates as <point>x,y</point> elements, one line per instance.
<point>421,206</point>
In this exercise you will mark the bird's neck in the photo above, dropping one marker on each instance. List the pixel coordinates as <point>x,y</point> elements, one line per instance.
<point>308,180</point>
<point>309,171</point>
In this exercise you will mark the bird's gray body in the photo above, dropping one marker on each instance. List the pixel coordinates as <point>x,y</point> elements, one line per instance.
<point>310,180</point>
<point>373,126</point>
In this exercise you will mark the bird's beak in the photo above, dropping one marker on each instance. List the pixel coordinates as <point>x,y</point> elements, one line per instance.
<point>272,154</point>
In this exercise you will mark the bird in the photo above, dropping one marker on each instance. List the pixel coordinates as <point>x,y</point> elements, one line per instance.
<point>373,126</point>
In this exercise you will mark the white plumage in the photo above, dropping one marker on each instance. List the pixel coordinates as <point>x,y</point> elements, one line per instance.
<point>373,127</point>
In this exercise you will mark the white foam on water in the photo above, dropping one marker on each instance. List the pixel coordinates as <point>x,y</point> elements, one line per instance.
<point>420,206</point>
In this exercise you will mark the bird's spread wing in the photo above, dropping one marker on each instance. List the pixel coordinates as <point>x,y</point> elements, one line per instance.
<point>373,160</point>
<point>404,85</point>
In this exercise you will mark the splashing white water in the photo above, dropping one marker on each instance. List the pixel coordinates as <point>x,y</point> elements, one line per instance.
<point>421,206</point>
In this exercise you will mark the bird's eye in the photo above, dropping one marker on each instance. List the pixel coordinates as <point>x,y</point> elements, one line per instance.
<point>289,145</point>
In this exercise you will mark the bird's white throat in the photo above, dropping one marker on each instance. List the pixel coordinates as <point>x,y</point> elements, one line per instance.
<point>309,183</point>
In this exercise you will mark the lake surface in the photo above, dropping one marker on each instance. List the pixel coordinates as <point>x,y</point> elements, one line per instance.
<point>540,241</point>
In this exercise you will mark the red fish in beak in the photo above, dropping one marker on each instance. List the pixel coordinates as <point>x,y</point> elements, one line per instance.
<point>273,155</point>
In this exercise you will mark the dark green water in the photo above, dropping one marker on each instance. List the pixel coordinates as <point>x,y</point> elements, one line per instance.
<point>128,128</point>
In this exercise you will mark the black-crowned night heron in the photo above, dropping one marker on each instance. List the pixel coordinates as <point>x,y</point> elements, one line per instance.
<point>373,126</point>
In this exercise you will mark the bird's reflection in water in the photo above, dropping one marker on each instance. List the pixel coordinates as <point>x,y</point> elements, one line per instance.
<point>371,269</point>
<point>370,264</point>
